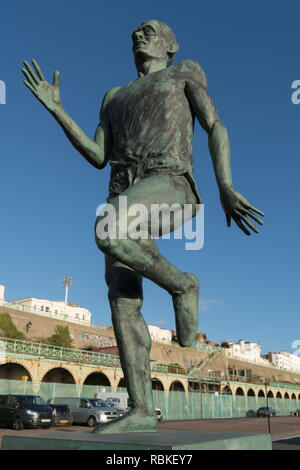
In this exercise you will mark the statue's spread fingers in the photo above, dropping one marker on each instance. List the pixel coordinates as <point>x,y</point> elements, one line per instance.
<point>249,213</point>
<point>249,206</point>
<point>31,88</point>
<point>56,75</point>
<point>247,222</point>
<point>38,69</point>
<point>242,227</point>
<point>29,78</point>
<point>228,220</point>
<point>28,66</point>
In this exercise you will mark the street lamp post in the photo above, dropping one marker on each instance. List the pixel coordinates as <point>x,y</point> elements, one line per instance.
<point>267,399</point>
<point>67,282</point>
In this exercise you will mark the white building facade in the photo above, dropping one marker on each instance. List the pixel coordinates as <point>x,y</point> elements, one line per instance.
<point>56,309</point>
<point>245,350</point>
<point>159,334</point>
<point>285,360</point>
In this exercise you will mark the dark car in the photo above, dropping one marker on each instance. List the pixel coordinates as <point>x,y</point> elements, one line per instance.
<point>18,411</point>
<point>62,415</point>
<point>266,411</point>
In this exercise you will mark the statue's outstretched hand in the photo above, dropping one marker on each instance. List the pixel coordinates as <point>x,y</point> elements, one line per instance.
<point>237,207</point>
<point>48,95</point>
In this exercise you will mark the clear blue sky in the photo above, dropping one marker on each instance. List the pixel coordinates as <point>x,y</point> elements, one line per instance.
<point>49,194</point>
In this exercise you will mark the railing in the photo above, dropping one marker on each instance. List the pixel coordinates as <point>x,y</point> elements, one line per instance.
<point>234,379</point>
<point>57,316</point>
<point>263,364</point>
<point>169,368</point>
<point>206,347</point>
<point>16,346</point>
<point>284,385</point>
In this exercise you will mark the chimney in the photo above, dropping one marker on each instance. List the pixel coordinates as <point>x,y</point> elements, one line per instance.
<point>2,289</point>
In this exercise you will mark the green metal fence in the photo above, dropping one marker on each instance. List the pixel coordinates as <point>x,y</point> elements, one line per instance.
<point>179,405</point>
<point>175,406</point>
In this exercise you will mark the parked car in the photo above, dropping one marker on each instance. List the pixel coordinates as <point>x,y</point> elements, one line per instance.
<point>119,409</point>
<point>18,411</point>
<point>102,404</point>
<point>62,415</point>
<point>159,414</point>
<point>266,411</point>
<point>84,412</point>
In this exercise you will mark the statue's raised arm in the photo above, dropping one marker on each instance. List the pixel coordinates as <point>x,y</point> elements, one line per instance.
<point>96,152</point>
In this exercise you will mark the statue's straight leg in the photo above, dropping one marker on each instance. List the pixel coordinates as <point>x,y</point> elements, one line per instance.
<point>134,343</point>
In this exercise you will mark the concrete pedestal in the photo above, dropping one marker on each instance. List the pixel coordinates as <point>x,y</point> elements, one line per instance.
<point>162,439</point>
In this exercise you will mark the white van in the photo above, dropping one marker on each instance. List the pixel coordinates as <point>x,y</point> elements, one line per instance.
<point>115,398</point>
<point>84,412</point>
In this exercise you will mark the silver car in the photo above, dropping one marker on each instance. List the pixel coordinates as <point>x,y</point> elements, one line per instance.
<point>85,411</point>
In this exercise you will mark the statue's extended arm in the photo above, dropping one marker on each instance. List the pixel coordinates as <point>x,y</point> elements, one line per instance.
<point>235,206</point>
<point>96,151</point>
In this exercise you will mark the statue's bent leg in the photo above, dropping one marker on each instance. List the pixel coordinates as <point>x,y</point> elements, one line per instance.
<point>143,255</point>
<point>134,343</point>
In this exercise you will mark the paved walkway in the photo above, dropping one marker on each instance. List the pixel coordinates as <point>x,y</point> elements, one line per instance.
<point>285,431</point>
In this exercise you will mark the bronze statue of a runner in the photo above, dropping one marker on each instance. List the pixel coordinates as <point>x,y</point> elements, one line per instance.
<point>146,134</point>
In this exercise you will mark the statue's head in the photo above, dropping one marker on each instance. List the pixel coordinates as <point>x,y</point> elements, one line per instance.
<point>154,40</point>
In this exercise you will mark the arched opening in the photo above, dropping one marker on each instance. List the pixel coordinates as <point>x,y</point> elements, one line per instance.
<point>239,392</point>
<point>227,390</point>
<point>278,395</point>
<point>13,371</point>
<point>97,378</point>
<point>251,393</point>
<point>59,375</point>
<point>261,393</point>
<point>176,386</point>
<point>293,396</point>
<point>157,385</point>
<point>270,394</point>
<point>122,383</point>
<point>286,396</point>
<point>299,396</point>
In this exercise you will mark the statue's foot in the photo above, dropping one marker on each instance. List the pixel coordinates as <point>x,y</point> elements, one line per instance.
<point>134,421</point>
<point>186,313</point>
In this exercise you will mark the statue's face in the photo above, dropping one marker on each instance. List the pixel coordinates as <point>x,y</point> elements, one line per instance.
<point>149,41</point>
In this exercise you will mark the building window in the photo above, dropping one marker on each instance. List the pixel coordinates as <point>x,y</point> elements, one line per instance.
<point>47,309</point>
<point>42,308</point>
